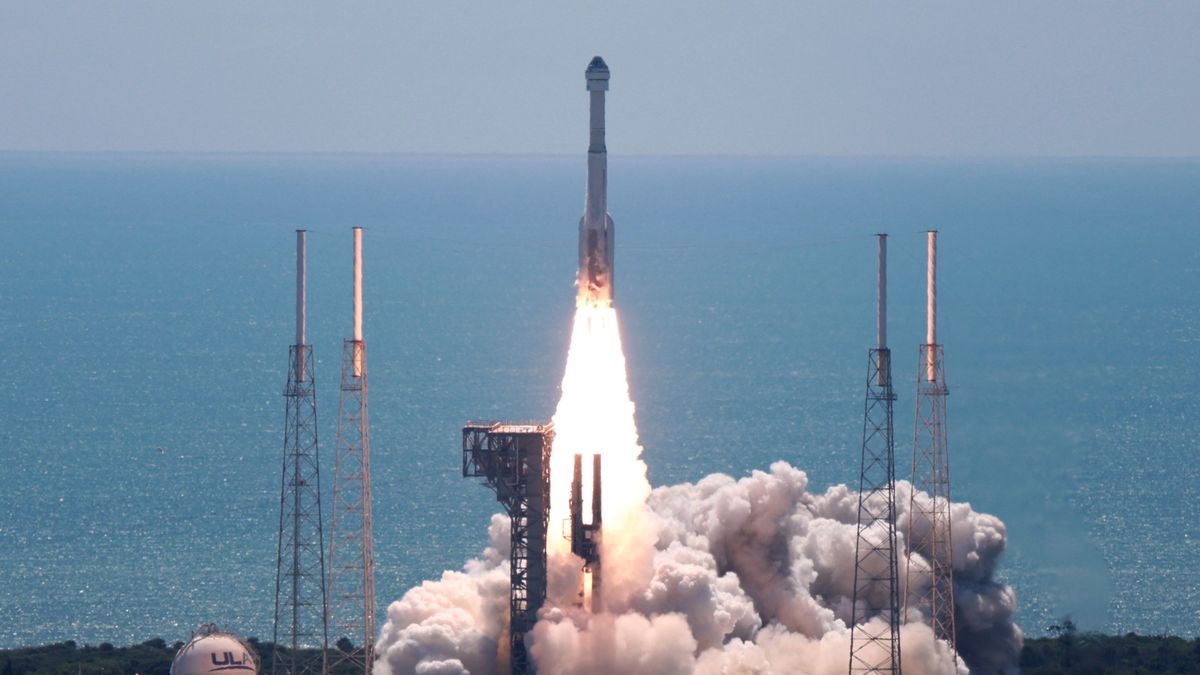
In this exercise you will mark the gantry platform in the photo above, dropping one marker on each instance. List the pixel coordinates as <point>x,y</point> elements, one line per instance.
<point>514,460</point>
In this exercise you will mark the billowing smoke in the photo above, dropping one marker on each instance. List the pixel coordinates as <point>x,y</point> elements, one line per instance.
<point>453,625</point>
<point>748,576</point>
<point>718,577</point>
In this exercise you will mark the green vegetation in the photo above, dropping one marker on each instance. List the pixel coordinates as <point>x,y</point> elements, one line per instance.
<point>1069,651</point>
<point>1066,651</point>
<point>152,657</point>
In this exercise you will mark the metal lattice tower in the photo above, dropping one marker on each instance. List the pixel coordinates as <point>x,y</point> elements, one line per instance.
<point>875,626</point>
<point>300,617</point>
<point>930,587</point>
<point>351,553</point>
<point>514,460</point>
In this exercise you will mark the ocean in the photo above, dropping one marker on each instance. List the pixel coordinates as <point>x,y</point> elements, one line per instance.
<point>146,308</point>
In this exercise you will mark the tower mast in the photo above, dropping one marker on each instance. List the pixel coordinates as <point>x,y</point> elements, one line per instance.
<point>875,627</point>
<point>300,614</point>
<point>351,551</point>
<point>929,587</point>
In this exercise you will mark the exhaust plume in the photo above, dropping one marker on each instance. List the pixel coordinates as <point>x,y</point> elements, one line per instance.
<point>751,575</point>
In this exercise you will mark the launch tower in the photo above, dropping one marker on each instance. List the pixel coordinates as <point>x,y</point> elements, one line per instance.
<point>930,588</point>
<point>875,627</point>
<point>351,554</point>
<point>514,460</point>
<point>300,614</point>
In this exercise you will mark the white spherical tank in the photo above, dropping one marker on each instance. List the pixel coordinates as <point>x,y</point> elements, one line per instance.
<point>214,651</point>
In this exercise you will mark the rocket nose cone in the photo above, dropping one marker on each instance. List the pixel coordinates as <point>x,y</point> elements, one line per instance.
<point>597,75</point>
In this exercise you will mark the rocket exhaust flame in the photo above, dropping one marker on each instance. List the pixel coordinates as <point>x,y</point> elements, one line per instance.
<point>595,418</point>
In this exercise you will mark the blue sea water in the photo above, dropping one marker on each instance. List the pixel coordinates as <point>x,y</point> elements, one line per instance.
<point>146,303</point>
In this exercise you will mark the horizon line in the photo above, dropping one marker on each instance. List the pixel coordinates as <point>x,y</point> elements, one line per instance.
<point>562,155</point>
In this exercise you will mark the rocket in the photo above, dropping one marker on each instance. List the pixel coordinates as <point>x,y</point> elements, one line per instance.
<point>595,278</point>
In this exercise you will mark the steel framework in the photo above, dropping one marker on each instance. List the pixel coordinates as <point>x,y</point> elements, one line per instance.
<point>930,587</point>
<point>300,620</point>
<point>351,546</point>
<point>930,550</point>
<point>875,643</point>
<point>514,460</point>
<point>351,552</point>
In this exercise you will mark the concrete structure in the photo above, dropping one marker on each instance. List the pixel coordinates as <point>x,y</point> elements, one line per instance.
<point>514,460</point>
<point>596,230</point>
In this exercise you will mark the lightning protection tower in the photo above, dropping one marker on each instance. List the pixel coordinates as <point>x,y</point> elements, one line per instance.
<point>929,588</point>
<point>875,630</point>
<point>351,555</point>
<point>514,460</point>
<point>300,616</point>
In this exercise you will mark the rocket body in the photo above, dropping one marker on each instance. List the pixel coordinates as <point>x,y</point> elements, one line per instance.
<point>595,277</point>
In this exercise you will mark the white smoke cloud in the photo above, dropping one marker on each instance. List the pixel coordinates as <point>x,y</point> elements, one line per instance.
<point>745,576</point>
<point>455,625</point>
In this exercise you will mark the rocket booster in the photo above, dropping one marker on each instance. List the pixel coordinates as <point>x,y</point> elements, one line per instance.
<point>595,278</point>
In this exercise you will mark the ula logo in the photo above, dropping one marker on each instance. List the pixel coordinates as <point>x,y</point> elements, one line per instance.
<point>228,662</point>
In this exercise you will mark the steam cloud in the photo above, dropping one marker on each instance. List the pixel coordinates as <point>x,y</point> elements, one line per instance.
<point>718,577</point>
<point>745,576</point>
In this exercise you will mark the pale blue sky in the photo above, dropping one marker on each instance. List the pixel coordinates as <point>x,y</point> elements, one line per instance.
<point>752,77</point>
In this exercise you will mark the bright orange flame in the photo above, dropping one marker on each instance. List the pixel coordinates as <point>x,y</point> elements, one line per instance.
<point>595,415</point>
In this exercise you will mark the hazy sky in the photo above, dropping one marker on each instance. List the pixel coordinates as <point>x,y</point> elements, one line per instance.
<point>751,77</point>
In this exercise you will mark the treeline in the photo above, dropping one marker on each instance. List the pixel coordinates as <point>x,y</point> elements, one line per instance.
<point>1067,651</point>
<point>152,657</point>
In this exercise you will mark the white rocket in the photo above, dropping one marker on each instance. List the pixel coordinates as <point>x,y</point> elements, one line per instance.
<point>595,279</point>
